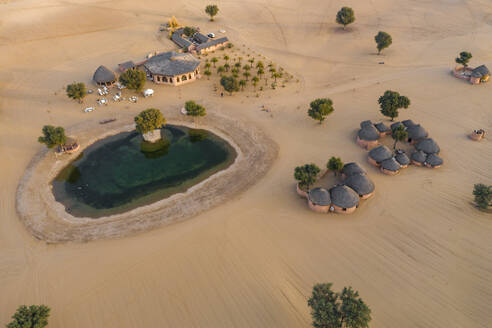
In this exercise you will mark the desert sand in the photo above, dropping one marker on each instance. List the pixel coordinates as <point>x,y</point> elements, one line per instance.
<point>418,252</point>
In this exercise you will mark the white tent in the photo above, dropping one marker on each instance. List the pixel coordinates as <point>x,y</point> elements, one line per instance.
<point>148,93</point>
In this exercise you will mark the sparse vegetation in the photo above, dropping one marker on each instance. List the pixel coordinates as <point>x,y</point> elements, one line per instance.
<point>230,84</point>
<point>345,16</point>
<point>320,108</point>
<point>391,102</point>
<point>306,175</point>
<point>483,196</point>
<point>330,309</point>
<point>34,316</point>
<point>335,165</point>
<point>53,136</point>
<point>399,134</point>
<point>133,79</point>
<point>76,91</point>
<point>212,11</point>
<point>383,41</point>
<point>149,120</point>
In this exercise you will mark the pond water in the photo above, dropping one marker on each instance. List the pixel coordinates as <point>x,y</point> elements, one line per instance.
<point>123,172</point>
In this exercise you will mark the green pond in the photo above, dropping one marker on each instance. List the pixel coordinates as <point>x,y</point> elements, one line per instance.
<point>123,172</point>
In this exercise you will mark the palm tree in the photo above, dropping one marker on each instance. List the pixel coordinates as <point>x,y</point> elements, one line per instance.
<point>255,80</point>
<point>242,83</point>
<point>226,58</point>
<point>214,60</point>
<point>220,70</point>
<point>252,60</point>
<point>259,64</point>
<point>260,72</point>
<point>247,75</point>
<point>227,66</point>
<point>207,73</point>
<point>207,65</point>
<point>276,75</point>
<point>239,59</point>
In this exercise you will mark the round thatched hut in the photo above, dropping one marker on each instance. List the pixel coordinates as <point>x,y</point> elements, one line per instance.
<point>382,128</point>
<point>319,200</point>
<point>361,184</point>
<point>433,161</point>
<point>343,199</point>
<point>416,133</point>
<point>418,158</point>
<point>408,123</point>
<point>402,159</point>
<point>104,76</point>
<point>365,124</point>
<point>351,169</point>
<point>428,146</point>
<point>390,166</point>
<point>379,154</point>
<point>367,137</point>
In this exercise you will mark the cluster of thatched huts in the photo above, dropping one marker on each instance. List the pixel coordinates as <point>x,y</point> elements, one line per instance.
<point>480,74</point>
<point>344,197</point>
<point>425,154</point>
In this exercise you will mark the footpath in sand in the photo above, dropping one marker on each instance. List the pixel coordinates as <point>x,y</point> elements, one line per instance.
<point>418,252</point>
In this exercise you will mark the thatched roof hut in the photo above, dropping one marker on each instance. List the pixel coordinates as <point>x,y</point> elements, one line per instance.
<point>395,125</point>
<point>319,196</point>
<point>408,123</point>
<point>351,169</point>
<point>104,76</point>
<point>416,132</point>
<point>379,154</point>
<point>428,146</point>
<point>433,161</point>
<point>343,199</point>
<point>402,158</point>
<point>365,124</point>
<point>418,158</point>
<point>390,166</point>
<point>368,133</point>
<point>480,71</point>
<point>382,128</point>
<point>361,184</point>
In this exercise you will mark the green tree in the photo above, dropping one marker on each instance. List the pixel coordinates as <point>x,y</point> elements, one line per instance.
<point>464,58</point>
<point>335,164</point>
<point>133,79</point>
<point>390,102</point>
<point>242,84</point>
<point>53,136</point>
<point>320,108</point>
<point>207,65</point>
<point>259,64</point>
<point>251,61</point>
<point>247,75</point>
<point>383,41</point>
<point>483,195</point>
<point>226,58</point>
<point>149,120</point>
<point>330,309</point>
<point>255,80</point>
<point>230,84</point>
<point>189,31</point>
<point>76,91</point>
<point>399,134</point>
<point>207,73</point>
<point>194,109</point>
<point>306,175</point>
<point>220,69</point>
<point>227,66</point>
<point>214,60</point>
<point>260,72</point>
<point>345,16</point>
<point>237,65</point>
<point>212,11</point>
<point>34,316</point>
<point>276,75</point>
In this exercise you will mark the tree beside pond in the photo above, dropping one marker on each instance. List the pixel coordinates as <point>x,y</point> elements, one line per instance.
<point>230,84</point>
<point>383,41</point>
<point>149,120</point>
<point>464,58</point>
<point>133,79</point>
<point>345,16</point>
<point>320,108</point>
<point>483,195</point>
<point>330,309</point>
<point>306,175</point>
<point>34,316</point>
<point>76,91</point>
<point>390,102</point>
<point>335,165</point>
<point>53,136</point>
<point>195,110</point>
<point>212,11</point>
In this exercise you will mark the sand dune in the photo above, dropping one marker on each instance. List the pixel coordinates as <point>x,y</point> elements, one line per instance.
<point>418,252</point>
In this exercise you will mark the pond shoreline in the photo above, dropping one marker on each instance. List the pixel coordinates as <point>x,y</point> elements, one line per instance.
<point>47,219</point>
